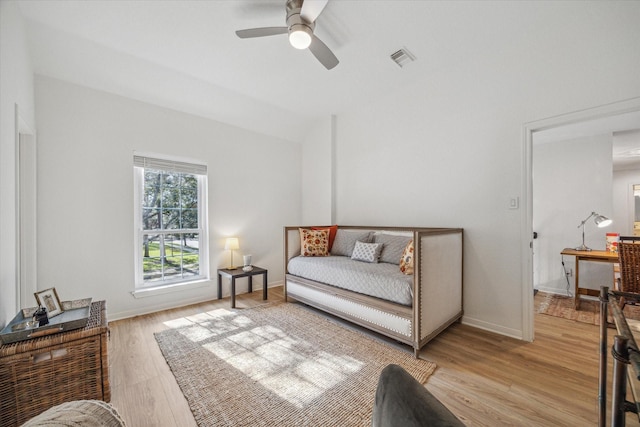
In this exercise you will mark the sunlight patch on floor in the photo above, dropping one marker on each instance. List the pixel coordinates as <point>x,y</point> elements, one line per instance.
<point>268,355</point>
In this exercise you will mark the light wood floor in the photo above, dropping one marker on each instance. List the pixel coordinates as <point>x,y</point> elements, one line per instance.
<point>484,378</point>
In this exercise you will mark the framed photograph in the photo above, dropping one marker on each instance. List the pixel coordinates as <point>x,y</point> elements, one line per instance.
<point>49,299</point>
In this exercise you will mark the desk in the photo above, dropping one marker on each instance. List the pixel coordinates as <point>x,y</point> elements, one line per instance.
<point>239,272</point>
<point>594,256</point>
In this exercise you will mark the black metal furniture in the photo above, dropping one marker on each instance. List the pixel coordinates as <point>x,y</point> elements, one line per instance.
<point>626,359</point>
<point>236,273</point>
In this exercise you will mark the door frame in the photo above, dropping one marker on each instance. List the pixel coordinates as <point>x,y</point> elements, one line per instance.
<point>25,211</point>
<point>526,229</point>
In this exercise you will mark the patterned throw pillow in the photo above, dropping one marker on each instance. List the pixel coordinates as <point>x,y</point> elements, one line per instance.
<point>367,252</point>
<point>314,242</point>
<point>406,262</point>
<point>333,230</point>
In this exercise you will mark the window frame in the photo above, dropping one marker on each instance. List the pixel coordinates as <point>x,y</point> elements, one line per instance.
<point>169,164</point>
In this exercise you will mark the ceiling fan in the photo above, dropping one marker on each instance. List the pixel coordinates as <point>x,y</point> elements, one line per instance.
<point>301,20</point>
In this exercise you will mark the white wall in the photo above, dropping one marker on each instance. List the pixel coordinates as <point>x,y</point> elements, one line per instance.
<point>85,205</point>
<point>571,179</point>
<point>317,175</point>
<point>623,202</point>
<point>16,87</point>
<point>448,151</point>
<point>623,182</point>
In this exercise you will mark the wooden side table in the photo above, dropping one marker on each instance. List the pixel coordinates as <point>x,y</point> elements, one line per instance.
<point>239,272</point>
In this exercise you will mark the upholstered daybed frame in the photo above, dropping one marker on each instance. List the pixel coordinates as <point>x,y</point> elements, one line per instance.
<point>437,288</point>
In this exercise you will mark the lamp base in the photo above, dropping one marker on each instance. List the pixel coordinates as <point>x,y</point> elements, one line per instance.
<point>232,267</point>
<point>583,248</point>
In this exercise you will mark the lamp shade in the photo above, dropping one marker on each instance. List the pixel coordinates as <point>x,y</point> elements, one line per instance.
<point>231,244</point>
<point>602,221</point>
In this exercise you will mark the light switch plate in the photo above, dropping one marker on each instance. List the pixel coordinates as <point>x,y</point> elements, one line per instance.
<point>514,202</point>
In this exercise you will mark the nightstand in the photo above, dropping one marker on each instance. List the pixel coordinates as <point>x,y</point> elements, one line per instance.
<point>233,274</point>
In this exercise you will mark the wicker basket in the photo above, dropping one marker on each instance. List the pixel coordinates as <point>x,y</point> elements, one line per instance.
<point>43,372</point>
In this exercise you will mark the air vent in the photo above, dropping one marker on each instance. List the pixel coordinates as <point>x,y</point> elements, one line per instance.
<point>402,57</point>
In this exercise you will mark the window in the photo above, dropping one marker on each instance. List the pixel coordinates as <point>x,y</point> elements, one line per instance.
<point>171,222</point>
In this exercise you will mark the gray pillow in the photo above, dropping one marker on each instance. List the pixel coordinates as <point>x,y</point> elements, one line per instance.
<point>393,246</point>
<point>346,240</point>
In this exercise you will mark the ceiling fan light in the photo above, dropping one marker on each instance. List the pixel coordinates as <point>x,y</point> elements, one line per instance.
<point>300,36</point>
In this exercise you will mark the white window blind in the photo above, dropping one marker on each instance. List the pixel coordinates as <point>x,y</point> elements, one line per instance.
<point>169,165</point>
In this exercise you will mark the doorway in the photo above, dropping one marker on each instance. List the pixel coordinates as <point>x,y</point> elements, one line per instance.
<point>585,120</point>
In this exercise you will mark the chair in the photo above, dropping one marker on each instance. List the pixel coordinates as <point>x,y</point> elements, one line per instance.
<point>629,260</point>
<point>86,413</point>
<point>401,401</point>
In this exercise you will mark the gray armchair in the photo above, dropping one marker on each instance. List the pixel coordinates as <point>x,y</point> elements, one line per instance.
<point>402,401</point>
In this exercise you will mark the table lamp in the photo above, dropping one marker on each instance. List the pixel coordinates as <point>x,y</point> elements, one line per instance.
<point>231,245</point>
<point>600,220</point>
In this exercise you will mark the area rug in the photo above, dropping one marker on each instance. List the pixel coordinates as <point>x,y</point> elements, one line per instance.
<point>278,365</point>
<point>563,306</point>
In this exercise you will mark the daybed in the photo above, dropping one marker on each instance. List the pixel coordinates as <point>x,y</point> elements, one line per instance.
<point>371,294</point>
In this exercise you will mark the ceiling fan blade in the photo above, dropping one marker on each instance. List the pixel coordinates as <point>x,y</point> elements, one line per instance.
<point>323,53</point>
<point>261,32</point>
<point>311,9</point>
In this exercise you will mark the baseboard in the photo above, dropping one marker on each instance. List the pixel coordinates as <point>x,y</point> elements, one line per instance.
<point>557,291</point>
<point>492,327</point>
<point>120,315</point>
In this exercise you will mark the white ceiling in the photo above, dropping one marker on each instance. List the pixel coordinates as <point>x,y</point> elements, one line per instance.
<point>185,55</point>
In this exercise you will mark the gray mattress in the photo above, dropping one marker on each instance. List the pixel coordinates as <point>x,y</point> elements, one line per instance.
<point>381,280</point>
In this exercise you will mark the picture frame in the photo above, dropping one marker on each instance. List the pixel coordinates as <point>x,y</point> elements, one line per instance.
<point>49,298</point>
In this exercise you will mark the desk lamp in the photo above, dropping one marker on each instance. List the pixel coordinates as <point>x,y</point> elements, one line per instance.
<point>601,222</point>
<point>231,245</point>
